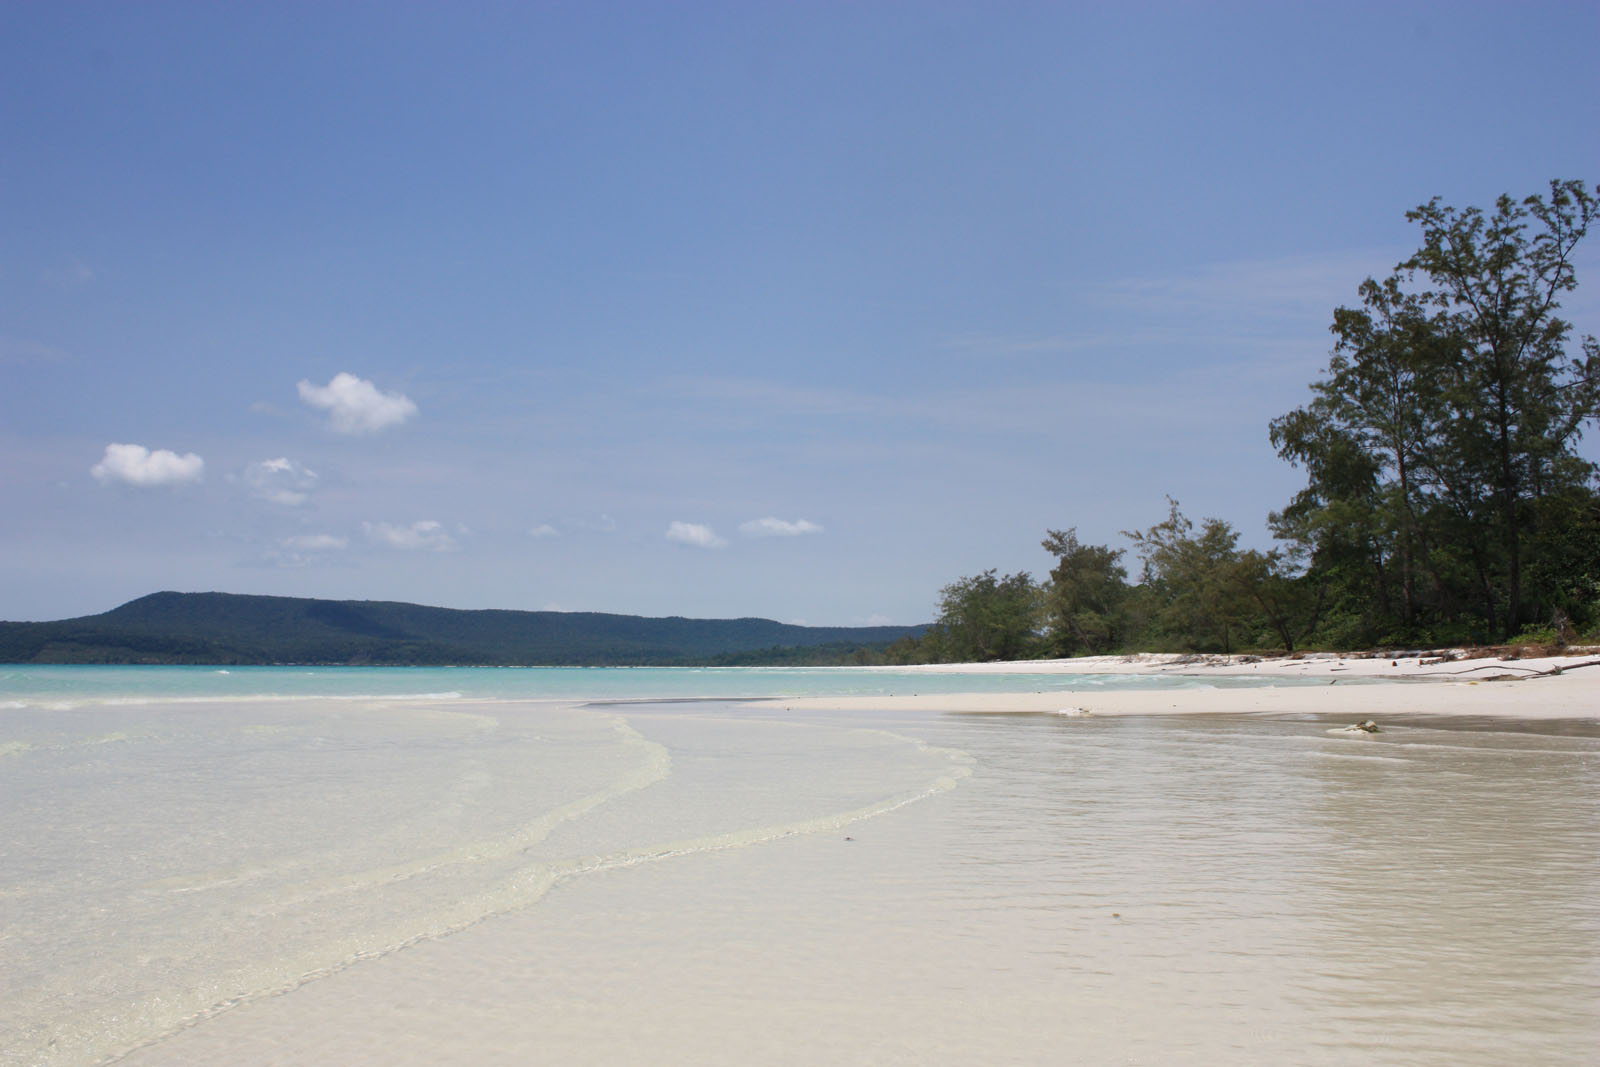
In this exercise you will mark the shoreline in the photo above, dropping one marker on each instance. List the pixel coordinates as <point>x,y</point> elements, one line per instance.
<point>1426,684</point>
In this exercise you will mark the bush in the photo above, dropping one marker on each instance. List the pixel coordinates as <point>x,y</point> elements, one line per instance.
<point>1537,635</point>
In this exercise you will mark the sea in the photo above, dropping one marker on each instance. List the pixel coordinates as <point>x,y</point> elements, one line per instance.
<point>290,865</point>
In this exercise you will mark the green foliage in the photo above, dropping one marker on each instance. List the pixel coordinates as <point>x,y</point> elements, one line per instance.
<point>1085,597</point>
<point>1537,635</point>
<point>1199,581</point>
<point>1446,424</point>
<point>1520,401</point>
<point>1564,551</point>
<point>986,618</point>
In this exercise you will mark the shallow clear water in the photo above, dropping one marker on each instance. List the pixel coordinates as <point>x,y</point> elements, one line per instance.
<point>466,882</point>
<point>72,686</point>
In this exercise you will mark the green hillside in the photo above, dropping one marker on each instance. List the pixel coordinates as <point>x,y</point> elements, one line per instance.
<point>227,628</point>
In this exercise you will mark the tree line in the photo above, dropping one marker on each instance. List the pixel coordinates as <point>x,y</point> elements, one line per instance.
<point>1445,499</point>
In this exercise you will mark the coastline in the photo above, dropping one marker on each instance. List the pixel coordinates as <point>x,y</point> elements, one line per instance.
<point>1428,683</point>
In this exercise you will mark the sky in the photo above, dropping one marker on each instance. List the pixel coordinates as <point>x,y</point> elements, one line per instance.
<point>792,310</point>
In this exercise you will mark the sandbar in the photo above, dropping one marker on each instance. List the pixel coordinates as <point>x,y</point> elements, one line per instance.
<point>1450,682</point>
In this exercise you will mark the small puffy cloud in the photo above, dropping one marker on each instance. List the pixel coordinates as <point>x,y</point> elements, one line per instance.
<point>542,531</point>
<point>355,405</point>
<point>426,535</point>
<point>692,533</point>
<point>280,481</point>
<point>137,465</point>
<point>770,527</point>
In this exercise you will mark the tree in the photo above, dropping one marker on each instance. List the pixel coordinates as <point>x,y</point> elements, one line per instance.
<point>1565,560</point>
<point>1195,579</point>
<point>1084,597</point>
<point>1497,283</point>
<point>1368,442</point>
<point>1447,414</point>
<point>987,618</point>
<point>1285,604</point>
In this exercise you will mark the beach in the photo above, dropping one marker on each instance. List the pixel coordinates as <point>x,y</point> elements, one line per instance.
<point>1061,870</point>
<point>1445,682</point>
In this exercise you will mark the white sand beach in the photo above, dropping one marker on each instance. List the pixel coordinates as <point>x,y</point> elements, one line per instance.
<point>1448,682</point>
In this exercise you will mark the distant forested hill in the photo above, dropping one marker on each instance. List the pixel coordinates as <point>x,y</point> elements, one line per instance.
<point>232,629</point>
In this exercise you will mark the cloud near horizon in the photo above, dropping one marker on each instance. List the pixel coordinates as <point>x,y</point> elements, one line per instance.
<point>771,527</point>
<point>138,466</point>
<point>693,533</point>
<point>355,406</point>
<point>426,535</point>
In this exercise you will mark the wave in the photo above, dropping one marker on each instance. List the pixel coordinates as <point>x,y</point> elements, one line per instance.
<point>78,703</point>
<point>327,920</point>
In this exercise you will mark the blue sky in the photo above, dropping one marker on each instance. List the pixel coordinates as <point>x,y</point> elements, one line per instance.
<point>797,310</point>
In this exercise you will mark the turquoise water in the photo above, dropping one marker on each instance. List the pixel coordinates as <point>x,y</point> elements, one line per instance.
<point>26,684</point>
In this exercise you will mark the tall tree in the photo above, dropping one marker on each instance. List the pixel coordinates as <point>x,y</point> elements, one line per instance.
<point>1522,400</point>
<point>1371,444</point>
<point>1449,411</point>
<point>1084,597</point>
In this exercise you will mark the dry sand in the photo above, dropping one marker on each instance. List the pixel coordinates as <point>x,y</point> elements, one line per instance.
<point>1360,687</point>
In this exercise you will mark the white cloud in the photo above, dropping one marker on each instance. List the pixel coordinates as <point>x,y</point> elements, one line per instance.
<point>692,533</point>
<point>544,530</point>
<point>770,527</point>
<point>424,535</point>
<point>355,405</point>
<point>137,465</point>
<point>316,543</point>
<point>305,550</point>
<point>280,481</point>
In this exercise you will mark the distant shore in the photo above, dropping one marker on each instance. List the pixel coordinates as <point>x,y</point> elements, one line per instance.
<point>1448,682</point>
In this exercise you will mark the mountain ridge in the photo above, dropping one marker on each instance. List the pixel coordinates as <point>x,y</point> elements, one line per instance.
<point>242,629</point>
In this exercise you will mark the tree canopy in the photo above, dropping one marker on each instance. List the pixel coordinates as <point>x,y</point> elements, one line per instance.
<point>1443,438</point>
